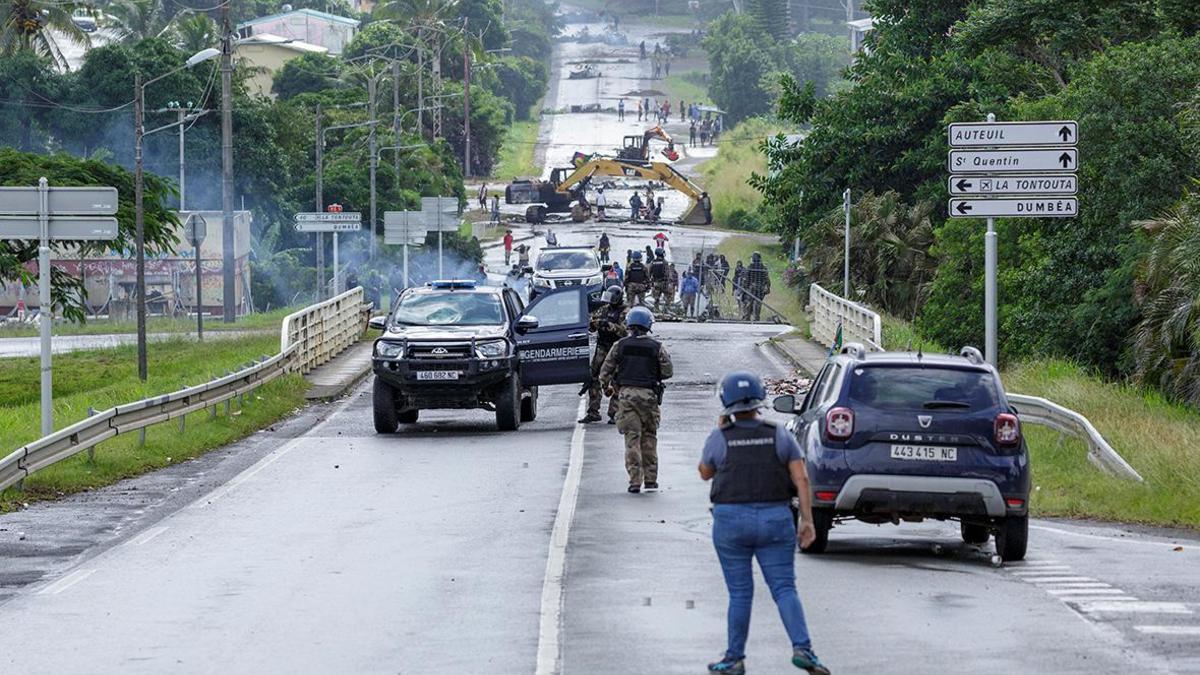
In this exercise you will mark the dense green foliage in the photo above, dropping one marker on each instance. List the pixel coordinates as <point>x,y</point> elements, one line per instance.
<point>1126,69</point>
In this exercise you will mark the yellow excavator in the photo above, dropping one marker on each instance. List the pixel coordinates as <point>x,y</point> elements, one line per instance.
<point>564,192</point>
<point>638,147</point>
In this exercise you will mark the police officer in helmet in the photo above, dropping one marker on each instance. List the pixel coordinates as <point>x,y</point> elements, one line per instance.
<point>636,367</point>
<point>608,323</point>
<point>637,279</point>
<point>756,468</point>
<point>659,277</point>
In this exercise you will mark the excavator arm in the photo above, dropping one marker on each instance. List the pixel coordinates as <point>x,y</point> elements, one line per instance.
<point>659,171</point>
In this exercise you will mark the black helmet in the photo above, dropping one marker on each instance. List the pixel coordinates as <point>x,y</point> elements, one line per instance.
<point>757,257</point>
<point>659,253</point>
<point>615,295</point>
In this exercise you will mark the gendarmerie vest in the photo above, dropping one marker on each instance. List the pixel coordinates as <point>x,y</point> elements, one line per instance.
<point>752,470</point>
<point>639,362</point>
<point>658,270</point>
<point>636,274</point>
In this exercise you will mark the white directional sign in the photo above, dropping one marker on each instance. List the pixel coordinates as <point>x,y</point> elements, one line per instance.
<point>440,213</point>
<point>1033,184</point>
<point>1001,134</point>
<point>404,227</point>
<point>62,228</point>
<point>326,226</point>
<point>329,217</point>
<point>1017,160</point>
<point>78,201</point>
<point>1032,207</point>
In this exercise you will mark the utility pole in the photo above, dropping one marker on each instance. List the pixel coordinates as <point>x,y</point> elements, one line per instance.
<point>320,206</point>
<point>139,129</point>
<point>229,309</point>
<point>396,113</point>
<point>849,18</point>
<point>437,86</point>
<point>466,106</point>
<point>846,266</point>
<point>420,83</point>
<point>374,161</point>
<point>182,172</point>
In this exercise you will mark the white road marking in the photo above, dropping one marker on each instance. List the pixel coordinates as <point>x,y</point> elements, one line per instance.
<point>270,459</point>
<point>1188,546</point>
<point>1140,606</point>
<point>1048,570</point>
<point>1032,563</point>
<point>146,536</point>
<point>1058,580</point>
<point>1077,585</point>
<point>549,652</point>
<point>1169,630</point>
<point>1066,592</point>
<point>66,582</point>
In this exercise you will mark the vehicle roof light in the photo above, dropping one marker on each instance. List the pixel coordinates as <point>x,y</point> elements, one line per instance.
<point>451,284</point>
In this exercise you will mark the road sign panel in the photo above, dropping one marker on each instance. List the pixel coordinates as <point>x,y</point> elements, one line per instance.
<point>62,228</point>
<point>195,229</point>
<point>79,201</point>
<point>403,227</point>
<point>1017,160</point>
<point>1032,207</point>
<point>1026,184</point>
<point>1000,134</point>
<point>443,204</point>
<point>310,226</point>
<point>329,217</point>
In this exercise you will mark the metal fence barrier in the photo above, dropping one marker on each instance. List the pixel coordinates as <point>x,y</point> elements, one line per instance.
<point>859,324</point>
<point>1063,420</point>
<point>310,337</point>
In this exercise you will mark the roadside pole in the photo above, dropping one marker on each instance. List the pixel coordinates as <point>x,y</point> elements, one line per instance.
<point>228,261</point>
<point>989,283</point>
<point>846,261</point>
<point>374,160</point>
<point>320,206</point>
<point>46,309</point>
<point>196,230</point>
<point>337,284</point>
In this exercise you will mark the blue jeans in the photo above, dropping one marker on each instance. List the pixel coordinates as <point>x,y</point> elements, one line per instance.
<point>765,531</point>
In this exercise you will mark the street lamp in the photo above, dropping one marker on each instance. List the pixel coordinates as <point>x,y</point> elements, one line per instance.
<point>139,131</point>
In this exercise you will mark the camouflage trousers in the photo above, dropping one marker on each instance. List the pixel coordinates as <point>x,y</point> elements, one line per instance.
<point>636,293</point>
<point>660,289</point>
<point>638,416</point>
<point>595,393</point>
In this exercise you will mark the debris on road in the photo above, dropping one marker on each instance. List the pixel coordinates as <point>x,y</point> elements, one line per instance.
<point>794,385</point>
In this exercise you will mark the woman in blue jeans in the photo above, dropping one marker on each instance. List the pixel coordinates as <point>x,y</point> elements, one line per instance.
<point>756,468</point>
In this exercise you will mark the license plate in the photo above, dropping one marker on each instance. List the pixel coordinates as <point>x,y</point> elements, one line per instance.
<point>437,374</point>
<point>925,453</point>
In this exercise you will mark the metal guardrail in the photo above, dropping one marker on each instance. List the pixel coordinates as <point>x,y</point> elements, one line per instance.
<point>859,324</point>
<point>1049,414</point>
<point>309,338</point>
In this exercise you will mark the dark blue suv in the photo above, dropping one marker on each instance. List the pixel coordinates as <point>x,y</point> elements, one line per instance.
<point>893,436</point>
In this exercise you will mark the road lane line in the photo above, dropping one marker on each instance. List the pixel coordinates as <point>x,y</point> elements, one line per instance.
<point>271,458</point>
<point>549,651</point>
<point>1058,580</point>
<point>1189,546</point>
<point>1062,592</point>
<point>1140,606</point>
<point>66,582</point>
<point>1169,630</point>
<point>1048,570</point>
<point>1081,584</point>
<point>146,536</point>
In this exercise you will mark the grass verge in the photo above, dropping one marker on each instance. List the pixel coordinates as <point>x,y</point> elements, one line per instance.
<point>725,175</point>
<point>786,301</point>
<point>104,378</point>
<point>685,86</point>
<point>159,324</point>
<point>517,152</point>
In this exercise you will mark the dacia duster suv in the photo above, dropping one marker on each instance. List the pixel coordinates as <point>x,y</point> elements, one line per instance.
<point>453,344</point>
<point>893,436</point>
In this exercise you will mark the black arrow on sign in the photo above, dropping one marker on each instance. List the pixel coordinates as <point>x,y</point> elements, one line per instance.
<point>962,185</point>
<point>1065,133</point>
<point>963,207</point>
<point>1065,159</point>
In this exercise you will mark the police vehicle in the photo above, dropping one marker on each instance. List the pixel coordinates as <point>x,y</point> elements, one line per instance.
<point>455,344</point>
<point>892,436</point>
<point>563,266</point>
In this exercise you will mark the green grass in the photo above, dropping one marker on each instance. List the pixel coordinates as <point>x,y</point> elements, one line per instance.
<point>104,378</point>
<point>684,86</point>
<point>726,174</point>
<point>261,321</point>
<point>516,158</point>
<point>786,300</point>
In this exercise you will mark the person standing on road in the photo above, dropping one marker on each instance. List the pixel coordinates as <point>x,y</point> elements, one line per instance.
<point>672,284</point>
<point>483,195</point>
<point>620,272</point>
<point>660,240</point>
<point>688,292</point>
<point>636,279</point>
<point>739,285</point>
<point>682,111</point>
<point>758,285</point>
<point>508,244</point>
<point>635,205</point>
<point>551,238</point>
<point>658,279</point>
<point>608,323</point>
<point>495,208</point>
<point>604,246</point>
<point>601,203</point>
<point>523,256</point>
<point>692,134</point>
<point>756,468</point>
<point>723,271</point>
<point>706,206</point>
<point>621,110</point>
<point>636,367</point>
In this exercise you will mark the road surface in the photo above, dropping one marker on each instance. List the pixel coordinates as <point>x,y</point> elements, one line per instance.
<point>319,546</point>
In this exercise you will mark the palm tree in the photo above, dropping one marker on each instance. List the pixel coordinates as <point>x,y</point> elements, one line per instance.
<point>138,19</point>
<point>1166,346</point>
<point>37,25</point>
<point>194,32</point>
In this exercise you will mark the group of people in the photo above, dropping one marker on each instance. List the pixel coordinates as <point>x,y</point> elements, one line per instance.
<point>756,469</point>
<point>648,209</point>
<point>706,129</point>
<point>712,274</point>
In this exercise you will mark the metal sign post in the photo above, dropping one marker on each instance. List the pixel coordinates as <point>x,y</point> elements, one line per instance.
<point>435,208</point>
<point>997,176</point>
<point>196,230</point>
<point>405,228</point>
<point>335,222</point>
<point>37,213</point>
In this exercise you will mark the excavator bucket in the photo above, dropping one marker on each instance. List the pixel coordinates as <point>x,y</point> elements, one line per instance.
<point>670,154</point>
<point>694,215</point>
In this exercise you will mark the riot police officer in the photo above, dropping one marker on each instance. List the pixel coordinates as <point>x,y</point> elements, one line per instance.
<point>636,366</point>
<point>608,323</point>
<point>758,285</point>
<point>659,278</point>
<point>756,467</point>
<point>636,279</point>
